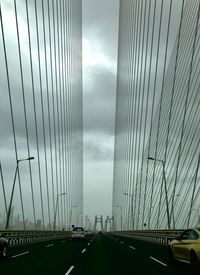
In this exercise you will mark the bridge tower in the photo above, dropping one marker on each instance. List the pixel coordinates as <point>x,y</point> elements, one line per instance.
<point>109,220</point>
<point>98,220</point>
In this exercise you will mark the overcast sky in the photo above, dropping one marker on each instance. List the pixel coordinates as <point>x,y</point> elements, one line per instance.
<point>100,40</point>
<point>100,46</point>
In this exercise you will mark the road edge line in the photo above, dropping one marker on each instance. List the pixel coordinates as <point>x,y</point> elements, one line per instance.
<point>69,270</point>
<point>21,254</point>
<point>156,260</point>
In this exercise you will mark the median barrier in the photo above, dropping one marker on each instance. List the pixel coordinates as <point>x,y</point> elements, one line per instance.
<point>162,237</point>
<point>21,237</point>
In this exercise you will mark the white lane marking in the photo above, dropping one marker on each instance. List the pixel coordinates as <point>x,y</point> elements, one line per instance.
<point>62,241</point>
<point>154,259</point>
<point>50,245</point>
<point>131,247</point>
<point>20,254</point>
<point>122,242</point>
<point>88,244</point>
<point>69,270</point>
<point>83,251</point>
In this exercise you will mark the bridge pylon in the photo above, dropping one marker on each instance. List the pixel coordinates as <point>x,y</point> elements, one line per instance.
<point>98,220</point>
<point>109,220</point>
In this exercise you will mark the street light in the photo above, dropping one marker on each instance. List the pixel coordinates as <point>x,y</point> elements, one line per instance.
<point>80,213</point>
<point>121,213</point>
<point>70,217</point>
<point>165,185</point>
<point>13,188</point>
<point>197,210</point>
<point>131,195</point>
<point>177,195</point>
<point>62,194</point>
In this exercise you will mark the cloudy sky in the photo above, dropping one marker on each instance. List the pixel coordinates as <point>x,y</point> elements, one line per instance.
<point>100,39</point>
<point>100,42</point>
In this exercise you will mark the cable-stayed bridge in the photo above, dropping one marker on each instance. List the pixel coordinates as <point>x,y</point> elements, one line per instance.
<point>156,187</point>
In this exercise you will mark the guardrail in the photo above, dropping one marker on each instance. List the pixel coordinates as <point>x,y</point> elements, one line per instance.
<point>162,237</point>
<point>19,237</point>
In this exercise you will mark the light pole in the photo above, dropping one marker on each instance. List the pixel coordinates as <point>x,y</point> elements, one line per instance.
<point>80,213</point>
<point>3,187</point>
<point>197,210</point>
<point>55,214</point>
<point>121,213</point>
<point>173,210</point>
<point>13,188</point>
<point>70,217</point>
<point>165,186</point>
<point>86,220</point>
<point>131,195</point>
<point>149,214</point>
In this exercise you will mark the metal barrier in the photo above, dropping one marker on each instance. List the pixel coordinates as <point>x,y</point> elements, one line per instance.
<point>162,237</point>
<point>20,237</point>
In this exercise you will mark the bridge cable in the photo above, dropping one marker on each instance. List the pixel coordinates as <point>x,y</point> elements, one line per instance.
<point>48,106</point>
<point>42,107</point>
<point>12,113</point>
<point>35,112</point>
<point>56,129</point>
<point>3,187</point>
<point>25,111</point>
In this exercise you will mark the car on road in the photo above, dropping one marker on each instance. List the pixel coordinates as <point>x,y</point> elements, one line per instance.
<point>78,233</point>
<point>3,245</point>
<point>186,247</point>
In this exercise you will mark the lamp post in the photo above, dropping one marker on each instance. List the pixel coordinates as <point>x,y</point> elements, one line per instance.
<point>131,195</point>
<point>55,214</point>
<point>165,186</point>
<point>13,188</point>
<point>80,213</point>
<point>177,195</point>
<point>149,209</point>
<point>70,217</point>
<point>121,213</point>
<point>3,187</point>
<point>197,210</point>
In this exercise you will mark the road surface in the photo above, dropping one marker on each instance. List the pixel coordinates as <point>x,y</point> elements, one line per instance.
<point>97,255</point>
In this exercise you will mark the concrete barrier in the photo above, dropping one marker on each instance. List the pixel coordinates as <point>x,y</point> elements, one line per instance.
<point>21,237</point>
<point>162,237</point>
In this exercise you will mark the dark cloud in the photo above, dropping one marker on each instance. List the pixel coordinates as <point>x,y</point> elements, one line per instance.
<point>99,102</point>
<point>100,21</point>
<point>98,147</point>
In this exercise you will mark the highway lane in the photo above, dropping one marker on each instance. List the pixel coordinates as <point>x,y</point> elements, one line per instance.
<point>99,254</point>
<point>50,257</point>
<point>126,256</point>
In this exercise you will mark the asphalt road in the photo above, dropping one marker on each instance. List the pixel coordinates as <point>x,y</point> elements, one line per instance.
<point>98,254</point>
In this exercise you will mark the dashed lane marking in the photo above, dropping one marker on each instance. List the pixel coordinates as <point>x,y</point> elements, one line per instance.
<point>132,247</point>
<point>69,270</point>
<point>50,245</point>
<point>154,259</point>
<point>88,244</point>
<point>21,254</point>
<point>83,251</point>
<point>122,242</point>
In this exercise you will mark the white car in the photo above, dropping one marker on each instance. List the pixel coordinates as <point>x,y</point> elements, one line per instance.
<point>78,233</point>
